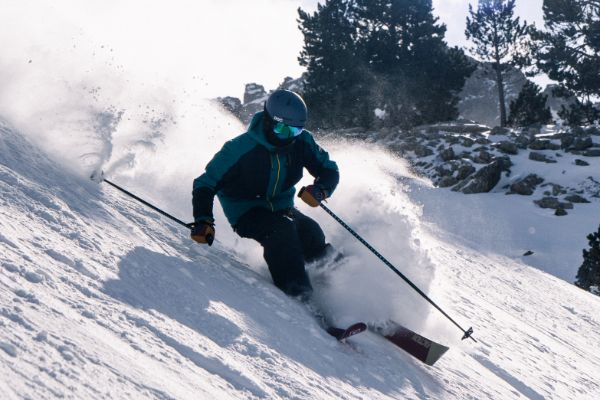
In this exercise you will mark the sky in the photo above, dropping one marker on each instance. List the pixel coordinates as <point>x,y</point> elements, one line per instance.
<point>214,46</point>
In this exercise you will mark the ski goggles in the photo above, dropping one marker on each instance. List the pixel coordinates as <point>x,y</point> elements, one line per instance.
<point>284,131</point>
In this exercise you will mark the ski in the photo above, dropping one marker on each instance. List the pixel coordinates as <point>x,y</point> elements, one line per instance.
<point>343,334</point>
<point>414,344</point>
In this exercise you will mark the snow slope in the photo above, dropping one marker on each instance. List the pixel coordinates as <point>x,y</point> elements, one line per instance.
<point>102,298</point>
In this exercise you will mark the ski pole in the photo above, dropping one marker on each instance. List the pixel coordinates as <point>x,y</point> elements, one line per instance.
<point>466,333</point>
<point>144,202</point>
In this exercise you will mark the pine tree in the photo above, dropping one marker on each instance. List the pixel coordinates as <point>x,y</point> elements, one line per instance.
<point>386,54</point>
<point>529,107</point>
<point>419,76</point>
<point>496,34</point>
<point>568,50</point>
<point>588,276</point>
<point>336,78</point>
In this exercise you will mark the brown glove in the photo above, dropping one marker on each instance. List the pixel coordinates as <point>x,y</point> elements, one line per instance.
<point>204,233</point>
<point>312,195</point>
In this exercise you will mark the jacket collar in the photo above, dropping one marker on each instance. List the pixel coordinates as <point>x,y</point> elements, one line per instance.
<point>256,131</point>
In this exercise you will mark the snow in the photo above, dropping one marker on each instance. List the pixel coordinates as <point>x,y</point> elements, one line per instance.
<point>102,298</point>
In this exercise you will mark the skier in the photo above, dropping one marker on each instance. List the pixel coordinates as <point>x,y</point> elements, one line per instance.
<point>253,176</point>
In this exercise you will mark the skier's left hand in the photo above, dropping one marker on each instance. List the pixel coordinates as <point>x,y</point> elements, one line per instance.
<point>312,195</point>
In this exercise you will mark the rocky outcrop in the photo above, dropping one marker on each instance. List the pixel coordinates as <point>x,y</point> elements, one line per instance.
<point>482,181</point>
<point>254,97</point>
<point>526,186</point>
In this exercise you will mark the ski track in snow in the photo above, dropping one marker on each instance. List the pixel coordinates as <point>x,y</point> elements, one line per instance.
<point>101,298</point>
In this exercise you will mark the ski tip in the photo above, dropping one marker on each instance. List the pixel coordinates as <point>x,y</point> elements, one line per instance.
<point>343,334</point>
<point>97,176</point>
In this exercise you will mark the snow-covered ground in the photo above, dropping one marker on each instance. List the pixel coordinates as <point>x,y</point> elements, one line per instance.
<point>102,298</point>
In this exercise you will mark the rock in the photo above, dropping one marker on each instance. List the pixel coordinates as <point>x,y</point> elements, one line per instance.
<point>498,130</point>
<point>541,144</point>
<point>528,253</point>
<point>556,189</point>
<point>575,198</point>
<point>447,154</point>
<point>465,171</point>
<point>522,141</point>
<point>447,181</point>
<point>482,181</point>
<point>566,140</point>
<point>581,162</point>
<point>231,104</point>
<point>526,186</point>
<point>560,212</point>
<point>592,153</point>
<point>467,142</point>
<point>445,169</point>
<point>483,157</point>
<point>254,92</point>
<point>508,147</point>
<point>552,203</point>
<point>593,131</point>
<point>482,140</point>
<point>505,162</point>
<point>534,156</point>
<point>581,143</point>
<point>422,151</point>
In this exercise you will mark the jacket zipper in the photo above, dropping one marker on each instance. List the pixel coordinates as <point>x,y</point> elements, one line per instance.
<point>276,181</point>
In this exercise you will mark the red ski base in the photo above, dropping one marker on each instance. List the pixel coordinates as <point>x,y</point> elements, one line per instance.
<point>414,344</point>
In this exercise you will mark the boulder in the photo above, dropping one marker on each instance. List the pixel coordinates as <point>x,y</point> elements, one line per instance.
<point>508,147</point>
<point>566,140</point>
<point>447,154</point>
<point>575,198</point>
<point>465,171</point>
<point>522,141</point>
<point>505,162</point>
<point>541,144</point>
<point>581,143</point>
<point>560,212</point>
<point>447,181</point>
<point>483,157</point>
<point>498,130</point>
<point>552,203</point>
<point>467,142</point>
<point>422,151</point>
<point>593,131</point>
<point>482,181</point>
<point>526,186</point>
<point>581,162</point>
<point>534,156</point>
<point>592,153</point>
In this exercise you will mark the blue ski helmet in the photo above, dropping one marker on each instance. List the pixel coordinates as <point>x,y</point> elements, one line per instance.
<point>287,107</point>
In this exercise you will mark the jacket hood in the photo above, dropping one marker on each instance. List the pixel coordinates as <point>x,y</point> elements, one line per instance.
<point>256,131</point>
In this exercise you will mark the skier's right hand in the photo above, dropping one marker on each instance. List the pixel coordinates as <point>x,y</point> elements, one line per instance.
<point>203,232</point>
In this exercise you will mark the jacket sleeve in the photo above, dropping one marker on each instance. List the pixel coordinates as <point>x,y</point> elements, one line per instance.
<point>319,165</point>
<point>206,186</point>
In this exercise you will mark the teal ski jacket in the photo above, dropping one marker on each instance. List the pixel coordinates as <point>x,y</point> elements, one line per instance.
<point>250,172</point>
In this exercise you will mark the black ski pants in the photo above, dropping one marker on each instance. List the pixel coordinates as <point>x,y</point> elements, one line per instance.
<point>289,239</point>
